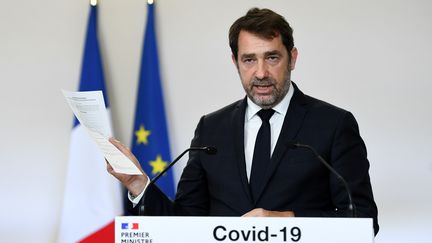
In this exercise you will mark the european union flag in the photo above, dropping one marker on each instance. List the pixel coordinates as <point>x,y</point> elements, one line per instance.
<point>150,142</point>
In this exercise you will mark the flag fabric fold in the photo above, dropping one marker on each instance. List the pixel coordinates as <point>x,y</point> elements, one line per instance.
<point>92,197</point>
<point>150,143</point>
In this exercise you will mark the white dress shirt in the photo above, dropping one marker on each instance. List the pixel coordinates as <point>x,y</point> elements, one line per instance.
<point>253,123</point>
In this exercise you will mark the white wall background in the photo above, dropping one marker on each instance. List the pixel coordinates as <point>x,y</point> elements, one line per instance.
<point>368,56</point>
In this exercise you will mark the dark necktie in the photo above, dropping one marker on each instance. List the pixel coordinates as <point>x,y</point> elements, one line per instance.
<point>261,156</point>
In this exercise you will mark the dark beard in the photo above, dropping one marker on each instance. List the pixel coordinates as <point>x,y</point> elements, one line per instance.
<point>276,96</point>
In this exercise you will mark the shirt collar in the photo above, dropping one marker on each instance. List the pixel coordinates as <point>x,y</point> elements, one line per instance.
<point>280,108</point>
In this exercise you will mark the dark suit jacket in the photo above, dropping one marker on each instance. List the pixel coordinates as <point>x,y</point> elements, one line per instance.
<point>295,179</point>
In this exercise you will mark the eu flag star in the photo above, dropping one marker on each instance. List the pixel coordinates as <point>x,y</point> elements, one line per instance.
<point>158,165</point>
<point>142,135</point>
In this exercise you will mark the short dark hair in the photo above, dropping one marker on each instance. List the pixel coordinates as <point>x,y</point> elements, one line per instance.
<point>264,23</point>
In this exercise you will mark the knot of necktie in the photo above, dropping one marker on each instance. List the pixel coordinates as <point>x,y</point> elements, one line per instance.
<point>266,114</point>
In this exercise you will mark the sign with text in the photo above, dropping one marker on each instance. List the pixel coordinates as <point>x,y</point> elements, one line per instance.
<point>237,229</point>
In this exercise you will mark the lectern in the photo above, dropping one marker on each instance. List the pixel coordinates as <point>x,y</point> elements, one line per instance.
<point>237,229</point>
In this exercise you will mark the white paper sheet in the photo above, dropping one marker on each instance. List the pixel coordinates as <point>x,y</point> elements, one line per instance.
<point>89,109</point>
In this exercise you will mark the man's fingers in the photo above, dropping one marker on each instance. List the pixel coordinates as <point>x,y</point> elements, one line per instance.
<point>258,212</point>
<point>110,169</point>
<point>125,150</point>
<point>253,213</point>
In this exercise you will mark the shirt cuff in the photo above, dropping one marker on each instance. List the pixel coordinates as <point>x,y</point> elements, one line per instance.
<point>136,199</point>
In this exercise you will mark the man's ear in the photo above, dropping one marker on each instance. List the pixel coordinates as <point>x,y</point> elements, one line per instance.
<point>234,60</point>
<point>294,54</point>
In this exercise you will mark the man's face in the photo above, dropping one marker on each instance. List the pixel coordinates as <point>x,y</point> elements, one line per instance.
<point>264,68</point>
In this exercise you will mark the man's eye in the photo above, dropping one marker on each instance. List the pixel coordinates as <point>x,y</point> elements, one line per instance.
<point>248,60</point>
<point>273,58</point>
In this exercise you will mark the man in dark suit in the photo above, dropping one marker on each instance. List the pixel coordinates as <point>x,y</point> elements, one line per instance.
<point>256,172</point>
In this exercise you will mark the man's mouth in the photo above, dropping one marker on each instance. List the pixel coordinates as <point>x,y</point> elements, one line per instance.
<point>263,89</point>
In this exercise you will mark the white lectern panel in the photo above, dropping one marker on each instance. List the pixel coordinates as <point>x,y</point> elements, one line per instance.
<point>237,229</point>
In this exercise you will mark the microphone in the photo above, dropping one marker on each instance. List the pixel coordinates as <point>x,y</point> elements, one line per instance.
<point>206,149</point>
<point>351,206</point>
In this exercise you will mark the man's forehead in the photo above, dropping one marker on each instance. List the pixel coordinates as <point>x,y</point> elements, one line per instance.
<point>252,44</point>
<point>250,34</point>
<point>268,35</point>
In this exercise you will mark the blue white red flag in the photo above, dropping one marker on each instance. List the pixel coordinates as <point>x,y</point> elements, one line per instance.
<point>92,197</point>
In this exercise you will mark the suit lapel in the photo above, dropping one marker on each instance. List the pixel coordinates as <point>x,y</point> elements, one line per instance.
<point>292,124</point>
<point>238,120</point>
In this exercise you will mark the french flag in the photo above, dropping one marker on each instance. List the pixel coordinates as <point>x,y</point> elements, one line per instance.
<point>92,197</point>
<point>133,226</point>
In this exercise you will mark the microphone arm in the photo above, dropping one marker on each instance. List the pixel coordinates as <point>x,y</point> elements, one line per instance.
<point>351,206</point>
<point>206,149</point>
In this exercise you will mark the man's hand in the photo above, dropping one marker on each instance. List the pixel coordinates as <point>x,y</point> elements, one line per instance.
<point>260,212</point>
<point>134,183</point>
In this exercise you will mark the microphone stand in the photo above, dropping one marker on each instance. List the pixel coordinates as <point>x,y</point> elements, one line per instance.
<point>208,150</point>
<point>351,206</point>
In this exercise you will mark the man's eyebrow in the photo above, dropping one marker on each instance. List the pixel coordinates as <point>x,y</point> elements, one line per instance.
<point>247,55</point>
<point>275,52</point>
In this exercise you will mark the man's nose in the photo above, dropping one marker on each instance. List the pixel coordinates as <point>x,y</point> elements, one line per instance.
<point>262,70</point>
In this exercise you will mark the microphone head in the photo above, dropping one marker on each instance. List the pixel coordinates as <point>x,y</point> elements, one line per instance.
<point>210,150</point>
